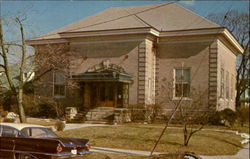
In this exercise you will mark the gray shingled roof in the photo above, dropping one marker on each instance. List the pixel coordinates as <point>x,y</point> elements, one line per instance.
<point>163,17</point>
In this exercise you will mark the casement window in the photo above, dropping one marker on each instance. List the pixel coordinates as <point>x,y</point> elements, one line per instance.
<point>227,85</point>
<point>182,83</point>
<point>222,83</point>
<point>59,89</point>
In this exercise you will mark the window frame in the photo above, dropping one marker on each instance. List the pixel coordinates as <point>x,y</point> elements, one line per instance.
<point>59,84</point>
<point>222,84</point>
<point>174,86</point>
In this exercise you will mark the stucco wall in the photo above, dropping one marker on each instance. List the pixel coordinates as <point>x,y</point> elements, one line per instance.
<point>227,62</point>
<point>183,54</point>
<point>124,54</point>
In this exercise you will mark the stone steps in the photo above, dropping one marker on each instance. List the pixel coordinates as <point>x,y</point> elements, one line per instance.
<point>100,114</point>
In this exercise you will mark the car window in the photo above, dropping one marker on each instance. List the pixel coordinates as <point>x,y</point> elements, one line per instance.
<point>38,133</point>
<point>8,131</point>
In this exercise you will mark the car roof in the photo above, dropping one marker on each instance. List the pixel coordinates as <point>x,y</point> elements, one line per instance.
<point>20,126</point>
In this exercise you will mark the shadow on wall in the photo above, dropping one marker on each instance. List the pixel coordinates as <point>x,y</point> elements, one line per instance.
<point>181,50</point>
<point>101,50</point>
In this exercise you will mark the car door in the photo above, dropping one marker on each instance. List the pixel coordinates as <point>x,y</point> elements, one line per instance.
<point>7,141</point>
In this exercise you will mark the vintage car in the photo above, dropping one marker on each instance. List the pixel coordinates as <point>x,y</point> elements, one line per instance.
<point>25,141</point>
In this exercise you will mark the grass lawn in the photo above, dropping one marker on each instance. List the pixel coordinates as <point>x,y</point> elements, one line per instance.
<point>142,138</point>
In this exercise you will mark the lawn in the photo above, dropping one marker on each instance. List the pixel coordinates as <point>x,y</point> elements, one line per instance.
<point>143,138</point>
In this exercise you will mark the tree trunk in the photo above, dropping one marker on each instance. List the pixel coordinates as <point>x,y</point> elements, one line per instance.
<point>185,135</point>
<point>21,74</point>
<point>20,106</point>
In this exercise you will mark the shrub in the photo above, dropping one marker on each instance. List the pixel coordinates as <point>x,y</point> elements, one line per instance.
<point>9,120</point>
<point>228,116</point>
<point>45,110</point>
<point>242,115</point>
<point>215,118</point>
<point>59,125</point>
<point>225,117</point>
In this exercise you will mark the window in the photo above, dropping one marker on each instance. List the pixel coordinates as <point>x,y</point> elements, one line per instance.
<point>232,86</point>
<point>182,83</point>
<point>38,133</point>
<point>227,85</point>
<point>59,84</point>
<point>222,83</point>
<point>8,131</point>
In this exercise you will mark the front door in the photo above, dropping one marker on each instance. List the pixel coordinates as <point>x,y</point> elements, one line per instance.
<point>107,94</point>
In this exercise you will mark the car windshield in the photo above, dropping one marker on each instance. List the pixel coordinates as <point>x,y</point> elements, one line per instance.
<point>37,132</point>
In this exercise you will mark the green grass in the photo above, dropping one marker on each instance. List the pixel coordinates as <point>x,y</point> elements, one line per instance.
<point>142,138</point>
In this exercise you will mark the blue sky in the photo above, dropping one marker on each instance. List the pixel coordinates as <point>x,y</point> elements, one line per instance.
<point>45,16</point>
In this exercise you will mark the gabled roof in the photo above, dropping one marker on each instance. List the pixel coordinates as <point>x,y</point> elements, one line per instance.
<point>162,17</point>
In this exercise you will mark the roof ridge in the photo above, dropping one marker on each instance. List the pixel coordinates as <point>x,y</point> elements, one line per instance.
<point>130,14</point>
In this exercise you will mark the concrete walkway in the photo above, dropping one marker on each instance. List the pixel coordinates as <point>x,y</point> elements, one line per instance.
<point>122,151</point>
<point>77,126</point>
<point>242,154</point>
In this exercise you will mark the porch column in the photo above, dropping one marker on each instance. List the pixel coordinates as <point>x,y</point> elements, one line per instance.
<point>115,94</point>
<point>86,95</point>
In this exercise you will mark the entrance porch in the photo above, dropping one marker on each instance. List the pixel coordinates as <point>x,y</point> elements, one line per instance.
<point>105,94</point>
<point>105,90</point>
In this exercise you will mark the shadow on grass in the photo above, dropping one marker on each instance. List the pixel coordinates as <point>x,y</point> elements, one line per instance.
<point>222,140</point>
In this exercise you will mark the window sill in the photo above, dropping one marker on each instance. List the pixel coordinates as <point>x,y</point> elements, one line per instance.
<point>183,98</point>
<point>59,97</point>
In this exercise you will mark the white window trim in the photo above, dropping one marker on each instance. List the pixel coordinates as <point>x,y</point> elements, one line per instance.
<point>181,98</point>
<point>53,91</point>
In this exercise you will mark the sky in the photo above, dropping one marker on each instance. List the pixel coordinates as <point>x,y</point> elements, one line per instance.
<point>46,16</point>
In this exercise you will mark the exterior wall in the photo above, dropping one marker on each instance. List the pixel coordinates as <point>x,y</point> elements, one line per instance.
<point>227,62</point>
<point>184,53</point>
<point>152,66</point>
<point>213,76</point>
<point>146,71</point>
<point>117,51</point>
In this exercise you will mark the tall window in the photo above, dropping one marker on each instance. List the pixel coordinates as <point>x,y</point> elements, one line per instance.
<point>182,83</point>
<point>222,83</point>
<point>232,86</point>
<point>59,84</point>
<point>227,85</point>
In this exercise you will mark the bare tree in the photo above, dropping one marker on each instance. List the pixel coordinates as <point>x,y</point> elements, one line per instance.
<point>191,110</point>
<point>193,115</point>
<point>238,24</point>
<point>17,91</point>
<point>46,59</point>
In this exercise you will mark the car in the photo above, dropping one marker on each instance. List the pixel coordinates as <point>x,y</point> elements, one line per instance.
<point>26,141</point>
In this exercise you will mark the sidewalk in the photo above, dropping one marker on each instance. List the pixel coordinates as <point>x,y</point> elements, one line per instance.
<point>242,154</point>
<point>122,151</point>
